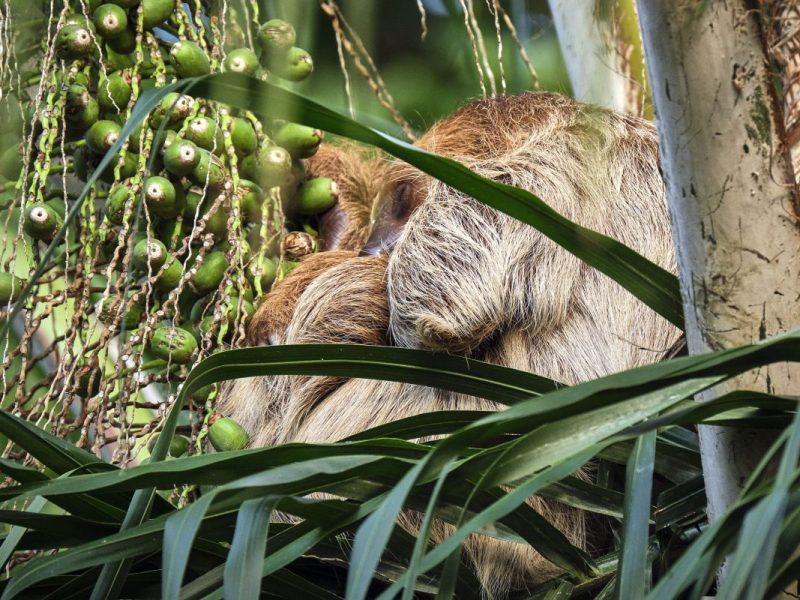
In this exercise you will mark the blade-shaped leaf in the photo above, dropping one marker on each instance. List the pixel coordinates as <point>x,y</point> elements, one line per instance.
<point>242,574</point>
<point>632,576</point>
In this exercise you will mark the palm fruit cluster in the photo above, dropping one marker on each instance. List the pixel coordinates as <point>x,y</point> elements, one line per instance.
<point>182,231</point>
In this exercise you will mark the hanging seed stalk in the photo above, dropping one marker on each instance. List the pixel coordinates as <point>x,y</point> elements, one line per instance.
<point>170,249</point>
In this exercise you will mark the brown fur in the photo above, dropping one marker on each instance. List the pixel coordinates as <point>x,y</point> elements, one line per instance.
<point>466,279</point>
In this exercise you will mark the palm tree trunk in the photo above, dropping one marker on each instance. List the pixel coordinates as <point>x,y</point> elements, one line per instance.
<point>733,199</point>
<point>602,50</point>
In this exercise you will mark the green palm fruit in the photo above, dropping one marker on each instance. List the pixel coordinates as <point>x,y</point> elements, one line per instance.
<point>149,254</point>
<point>10,288</point>
<point>178,445</point>
<point>181,157</point>
<point>77,98</point>
<point>315,196</point>
<point>295,65</point>
<point>225,434</point>
<point>202,394</point>
<point>243,136</point>
<point>162,140</point>
<point>241,60</point>
<point>189,59</point>
<point>250,196</point>
<point>173,344</point>
<point>11,163</point>
<point>41,221</point>
<point>110,20</point>
<point>248,167</point>
<point>114,92</point>
<point>121,46</point>
<point>204,328</point>
<point>74,41</point>
<point>155,12</point>
<point>83,119</point>
<point>102,135</point>
<point>118,198</point>
<point>88,379</point>
<point>273,166</point>
<point>209,171</point>
<point>171,276</point>
<point>261,272</point>
<point>217,223</point>
<point>109,308</point>
<point>209,274</point>
<point>174,107</point>
<point>205,133</point>
<point>117,55</point>
<point>135,137</point>
<point>161,196</point>
<point>276,35</point>
<point>299,140</point>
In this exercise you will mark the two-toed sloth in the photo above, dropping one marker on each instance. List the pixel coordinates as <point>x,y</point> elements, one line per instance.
<point>413,263</point>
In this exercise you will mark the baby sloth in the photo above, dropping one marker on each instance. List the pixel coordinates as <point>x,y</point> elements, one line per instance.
<point>413,263</point>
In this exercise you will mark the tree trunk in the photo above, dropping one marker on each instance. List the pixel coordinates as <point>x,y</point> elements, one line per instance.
<point>733,202</point>
<point>602,50</point>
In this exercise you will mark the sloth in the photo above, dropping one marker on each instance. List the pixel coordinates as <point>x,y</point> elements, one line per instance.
<point>410,262</point>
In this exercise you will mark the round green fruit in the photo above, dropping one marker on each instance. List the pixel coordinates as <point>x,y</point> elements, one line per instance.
<point>209,274</point>
<point>189,59</point>
<point>160,195</point>
<point>243,136</point>
<point>274,166</point>
<point>171,276</point>
<point>11,163</point>
<point>113,93</point>
<point>181,157</point>
<point>10,288</point>
<point>178,445</point>
<point>109,309</point>
<point>41,221</point>
<point>261,272</point>
<point>204,132</point>
<point>316,195</point>
<point>276,35</point>
<point>299,140</point>
<point>110,20</point>
<point>74,41</point>
<point>117,200</point>
<point>296,65</point>
<point>209,172</point>
<point>150,254</point>
<point>155,12</point>
<point>225,434</point>
<point>241,60</point>
<point>173,344</point>
<point>102,135</point>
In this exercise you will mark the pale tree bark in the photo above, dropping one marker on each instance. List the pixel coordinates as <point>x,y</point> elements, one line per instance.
<point>602,50</point>
<point>733,202</point>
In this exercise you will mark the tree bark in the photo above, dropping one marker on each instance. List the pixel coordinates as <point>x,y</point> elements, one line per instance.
<point>733,201</point>
<point>602,50</point>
